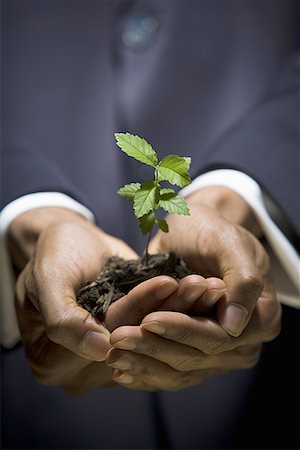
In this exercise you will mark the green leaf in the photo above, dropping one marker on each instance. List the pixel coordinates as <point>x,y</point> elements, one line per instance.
<point>136,147</point>
<point>163,225</point>
<point>173,204</point>
<point>128,191</point>
<point>147,222</point>
<point>146,198</point>
<point>175,169</point>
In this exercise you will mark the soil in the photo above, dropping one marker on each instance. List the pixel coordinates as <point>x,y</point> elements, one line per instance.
<point>119,276</point>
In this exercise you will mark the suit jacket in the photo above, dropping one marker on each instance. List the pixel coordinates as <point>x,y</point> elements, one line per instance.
<point>216,81</point>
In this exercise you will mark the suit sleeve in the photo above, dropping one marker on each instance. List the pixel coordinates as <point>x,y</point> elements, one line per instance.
<point>266,144</point>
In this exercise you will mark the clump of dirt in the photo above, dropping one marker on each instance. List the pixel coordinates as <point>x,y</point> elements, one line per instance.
<point>118,276</point>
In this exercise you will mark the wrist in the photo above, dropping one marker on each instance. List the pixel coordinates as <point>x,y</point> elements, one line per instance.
<point>228,204</point>
<point>25,229</point>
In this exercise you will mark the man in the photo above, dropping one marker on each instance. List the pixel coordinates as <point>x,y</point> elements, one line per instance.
<point>193,80</point>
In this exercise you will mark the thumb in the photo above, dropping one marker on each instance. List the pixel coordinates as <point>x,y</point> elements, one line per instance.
<point>235,308</point>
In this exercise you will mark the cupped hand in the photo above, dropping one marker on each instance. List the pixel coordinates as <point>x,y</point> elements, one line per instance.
<point>173,350</point>
<point>63,343</point>
<point>215,246</point>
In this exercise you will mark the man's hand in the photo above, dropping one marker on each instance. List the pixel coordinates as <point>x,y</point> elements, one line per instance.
<point>64,344</point>
<point>218,239</point>
<point>171,350</point>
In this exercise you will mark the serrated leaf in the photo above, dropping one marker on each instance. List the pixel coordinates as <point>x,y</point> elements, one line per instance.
<point>163,226</point>
<point>175,170</point>
<point>173,204</point>
<point>128,191</point>
<point>137,147</point>
<point>145,198</point>
<point>162,195</point>
<point>147,222</point>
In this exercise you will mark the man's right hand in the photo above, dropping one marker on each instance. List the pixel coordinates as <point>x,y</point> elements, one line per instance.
<point>63,343</point>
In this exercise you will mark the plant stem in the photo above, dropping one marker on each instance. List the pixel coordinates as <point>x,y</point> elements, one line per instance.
<point>146,249</point>
<point>150,232</point>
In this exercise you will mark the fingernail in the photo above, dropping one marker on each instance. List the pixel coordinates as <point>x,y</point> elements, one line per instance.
<point>123,378</point>
<point>121,363</point>
<point>165,289</point>
<point>154,327</point>
<point>211,296</point>
<point>234,319</point>
<point>125,344</point>
<point>94,345</point>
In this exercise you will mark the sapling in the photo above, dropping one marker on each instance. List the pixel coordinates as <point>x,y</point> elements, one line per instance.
<point>149,196</point>
<point>118,276</point>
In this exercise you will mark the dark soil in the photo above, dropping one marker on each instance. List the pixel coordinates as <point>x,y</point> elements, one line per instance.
<point>119,276</point>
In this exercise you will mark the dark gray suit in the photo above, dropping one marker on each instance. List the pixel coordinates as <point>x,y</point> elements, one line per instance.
<point>213,79</point>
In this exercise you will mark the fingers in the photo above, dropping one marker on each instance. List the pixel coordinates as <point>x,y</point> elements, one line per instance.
<point>178,356</point>
<point>216,288</point>
<point>140,301</point>
<point>175,352</point>
<point>195,295</point>
<point>202,333</point>
<point>143,373</point>
<point>191,288</point>
<point>207,335</point>
<point>164,293</point>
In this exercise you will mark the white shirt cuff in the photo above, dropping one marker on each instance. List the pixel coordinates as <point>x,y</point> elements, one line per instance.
<point>285,261</point>
<point>38,200</point>
<point>9,333</point>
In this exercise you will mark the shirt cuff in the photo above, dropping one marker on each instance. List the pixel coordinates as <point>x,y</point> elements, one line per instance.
<point>285,261</point>
<point>9,332</point>
<point>40,200</point>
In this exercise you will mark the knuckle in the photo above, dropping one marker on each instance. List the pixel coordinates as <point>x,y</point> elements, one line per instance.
<point>56,327</point>
<point>252,284</point>
<point>146,371</point>
<point>270,326</point>
<point>271,330</point>
<point>153,349</point>
<point>214,345</point>
<point>187,335</point>
<point>252,360</point>
<point>249,356</point>
<point>190,361</point>
<point>53,330</point>
<point>41,271</point>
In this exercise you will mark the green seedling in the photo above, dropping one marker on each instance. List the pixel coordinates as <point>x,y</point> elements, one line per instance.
<point>148,197</point>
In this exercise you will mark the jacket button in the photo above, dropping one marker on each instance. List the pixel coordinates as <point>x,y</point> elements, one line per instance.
<point>139,31</point>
